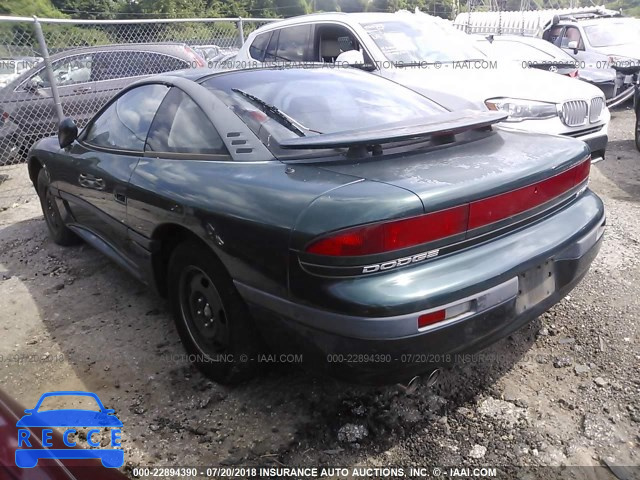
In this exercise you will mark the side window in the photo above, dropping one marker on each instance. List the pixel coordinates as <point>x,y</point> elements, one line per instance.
<point>182,127</point>
<point>67,71</point>
<point>259,46</point>
<point>129,63</point>
<point>572,37</point>
<point>331,41</point>
<point>554,35</point>
<point>293,44</point>
<point>125,123</point>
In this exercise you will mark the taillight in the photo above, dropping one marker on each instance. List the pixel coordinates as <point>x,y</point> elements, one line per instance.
<point>500,207</point>
<point>3,117</point>
<point>573,74</point>
<point>398,234</point>
<point>394,235</point>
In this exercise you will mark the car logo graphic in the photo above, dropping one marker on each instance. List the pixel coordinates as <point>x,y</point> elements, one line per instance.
<point>28,456</point>
<point>553,69</point>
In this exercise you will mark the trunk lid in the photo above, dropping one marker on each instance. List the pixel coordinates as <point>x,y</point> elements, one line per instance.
<point>499,162</point>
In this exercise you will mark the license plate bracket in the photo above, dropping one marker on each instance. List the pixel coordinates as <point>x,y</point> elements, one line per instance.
<point>535,285</point>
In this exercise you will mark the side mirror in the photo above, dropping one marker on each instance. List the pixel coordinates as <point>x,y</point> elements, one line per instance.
<point>354,58</point>
<point>67,132</point>
<point>573,45</point>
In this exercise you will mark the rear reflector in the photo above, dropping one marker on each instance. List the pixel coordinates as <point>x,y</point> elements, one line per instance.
<point>431,318</point>
<point>398,234</point>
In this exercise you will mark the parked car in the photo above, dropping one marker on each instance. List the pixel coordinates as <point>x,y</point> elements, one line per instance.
<point>333,213</point>
<point>532,52</point>
<point>431,57</point>
<point>47,468</point>
<point>86,78</point>
<point>603,39</point>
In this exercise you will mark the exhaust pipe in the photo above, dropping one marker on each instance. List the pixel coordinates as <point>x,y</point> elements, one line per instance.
<point>433,377</point>
<point>415,382</point>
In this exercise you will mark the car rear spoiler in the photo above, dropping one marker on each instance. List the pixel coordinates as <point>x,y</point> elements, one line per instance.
<point>446,124</point>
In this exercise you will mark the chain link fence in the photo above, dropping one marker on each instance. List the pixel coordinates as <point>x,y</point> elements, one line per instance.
<point>52,68</point>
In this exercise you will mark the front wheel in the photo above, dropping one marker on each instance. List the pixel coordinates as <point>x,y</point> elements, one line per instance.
<point>211,318</point>
<point>58,231</point>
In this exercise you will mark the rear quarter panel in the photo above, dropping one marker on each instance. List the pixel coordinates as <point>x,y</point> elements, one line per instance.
<point>244,211</point>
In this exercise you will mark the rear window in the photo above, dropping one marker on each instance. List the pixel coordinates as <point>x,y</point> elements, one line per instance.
<point>320,100</point>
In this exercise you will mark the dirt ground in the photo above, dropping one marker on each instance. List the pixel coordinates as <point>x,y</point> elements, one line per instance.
<point>563,391</point>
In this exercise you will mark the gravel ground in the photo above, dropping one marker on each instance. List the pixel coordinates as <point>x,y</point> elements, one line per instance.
<point>562,391</point>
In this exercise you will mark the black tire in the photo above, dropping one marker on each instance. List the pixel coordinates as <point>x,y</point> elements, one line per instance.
<point>58,231</point>
<point>213,321</point>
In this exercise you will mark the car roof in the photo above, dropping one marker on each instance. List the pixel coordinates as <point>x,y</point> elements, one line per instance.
<point>151,47</point>
<point>357,17</point>
<point>199,74</point>
<point>596,20</point>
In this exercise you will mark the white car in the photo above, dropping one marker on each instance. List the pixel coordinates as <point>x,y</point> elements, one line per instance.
<point>428,55</point>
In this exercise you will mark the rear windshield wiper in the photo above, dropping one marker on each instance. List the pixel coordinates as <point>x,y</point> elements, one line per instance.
<point>277,114</point>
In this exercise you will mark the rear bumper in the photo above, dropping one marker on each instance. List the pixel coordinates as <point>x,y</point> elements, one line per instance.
<point>384,349</point>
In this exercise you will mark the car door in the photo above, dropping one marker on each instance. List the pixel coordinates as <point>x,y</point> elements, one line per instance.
<point>573,43</point>
<point>103,159</point>
<point>331,39</point>
<point>162,181</point>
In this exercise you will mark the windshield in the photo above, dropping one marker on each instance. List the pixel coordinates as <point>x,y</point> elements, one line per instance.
<point>319,100</point>
<point>608,34</point>
<point>408,41</point>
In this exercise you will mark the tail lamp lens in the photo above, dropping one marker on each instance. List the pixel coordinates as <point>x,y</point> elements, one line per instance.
<point>499,207</point>
<point>394,235</point>
<point>398,234</point>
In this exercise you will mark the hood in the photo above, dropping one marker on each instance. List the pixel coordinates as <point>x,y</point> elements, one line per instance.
<point>629,50</point>
<point>478,85</point>
<point>597,75</point>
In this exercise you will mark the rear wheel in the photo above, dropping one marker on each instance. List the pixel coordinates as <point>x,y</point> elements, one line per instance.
<point>211,317</point>
<point>58,231</point>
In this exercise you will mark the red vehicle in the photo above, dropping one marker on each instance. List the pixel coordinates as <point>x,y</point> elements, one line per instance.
<point>47,469</point>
